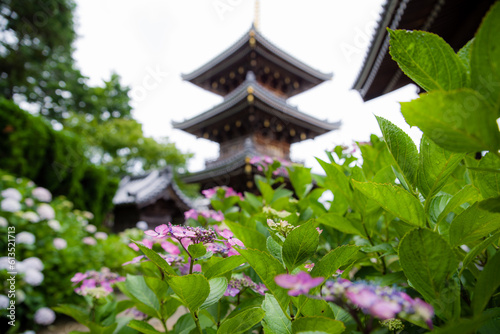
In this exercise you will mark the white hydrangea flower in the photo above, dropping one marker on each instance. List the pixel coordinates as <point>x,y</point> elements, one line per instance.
<point>33,277</point>
<point>44,316</point>
<point>89,241</point>
<point>54,224</point>
<point>88,215</point>
<point>101,235</point>
<point>20,267</point>
<point>142,225</point>
<point>20,296</point>
<point>25,238</point>
<point>33,263</point>
<point>4,302</point>
<point>31,217</point>
<point>29,202</point>
<point>10,205</point>
<point>3,222</point>
<point>41,194</point>
<point>90,228</point>
<point>12,194</point>
<point>46,211</point>
<point>4,262</point>
<point>60,243</point>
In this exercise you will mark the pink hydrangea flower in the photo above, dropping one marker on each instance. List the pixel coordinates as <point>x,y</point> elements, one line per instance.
<point>193,214</point>
<point>160,231</point>
<point>298,284</point>
<point>170,248</point>
<point>133,246</point>
<point>89,241</point>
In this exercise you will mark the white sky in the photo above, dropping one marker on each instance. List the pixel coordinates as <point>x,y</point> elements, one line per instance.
<point>167,38</point>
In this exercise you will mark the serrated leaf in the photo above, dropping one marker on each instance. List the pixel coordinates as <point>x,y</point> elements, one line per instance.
<point>333,260</point>
<point>471,255</point>
<point>487,176</point>
<point>218,286</point>
<point>435,166</point>
<point>316,307</point>
<point>192,289</point>
<point>197,250</point>
<point>487,283</point>
<point>137,287</point>
<point>339,223</point>
<point>394,199</point>
<point>458,121</point>
<point>143,327</point>
<point>476,222</point>
<point>275,319</point>
<point>156,259</point>
<point>317,324</point>
<point>251,238</point>
<point>300,245</point>
<point>427,59</point>
<point>336,180</point>
<point>242,322</point>
<point>402,148</point>
<point>267,267</point>
<point>464,54</point>
<point>274,249</point>
<point>427,261</point>
<point>226,265</point>
<point>485,58</point>
<point>468,193</point>
<point>301,180</point>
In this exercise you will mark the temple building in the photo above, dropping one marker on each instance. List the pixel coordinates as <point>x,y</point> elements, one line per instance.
<point>255,78</point>
<point>455,21</point>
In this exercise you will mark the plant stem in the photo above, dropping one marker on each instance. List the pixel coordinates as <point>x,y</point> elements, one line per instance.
<point>291,311</point>
<point>197,322</point>
<point>191,264</point>
<point>218,314</point>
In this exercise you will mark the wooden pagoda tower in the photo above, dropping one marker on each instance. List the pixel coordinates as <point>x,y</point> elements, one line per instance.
<point>255,78</point>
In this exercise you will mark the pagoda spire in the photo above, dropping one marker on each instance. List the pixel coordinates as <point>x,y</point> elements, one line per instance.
<point>256,18</point>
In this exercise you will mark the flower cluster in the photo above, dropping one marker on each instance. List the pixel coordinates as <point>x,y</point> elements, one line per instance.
<point>224,190</point>
<point>282,227</point>
<point>381,302</point>
<point>183,234</point>
<point>96,284</point>
<point>298,284</point>
<point>205,214</point>
<point>44,316</point>
<point>264,163</point>
<point>236,284</point>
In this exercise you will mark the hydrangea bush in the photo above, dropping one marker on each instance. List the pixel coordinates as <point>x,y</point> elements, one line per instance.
<point>52,242</point>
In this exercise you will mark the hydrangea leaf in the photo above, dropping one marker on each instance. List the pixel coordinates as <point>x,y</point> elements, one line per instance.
<point>317,325</point>
<point>224,266</point>
<point>192,289</point>
<point>458,121</point>
<point>300,245</point>
<point>339,223</point>
<point>427,59</point>
<point>333,260</point>
<point>142,327</point>
<point>476,222</point>
<point>242,322</point>
<point>267,267</point>
<point>427,261</point>
<point>402,148</point>
<point>485,58</point>
<point>197,250</point>
<point>218,286</point>
<point>137,287</point>
<point>275,319</point>
<point>487,176</point>
<point>487,283</point>
<point>156,259</point>
<point>469,194</point>
<point>435,166</point>
<point>250,237</point>
<point>301,180</point>
<point>336,180</point>
<point>394,199</point>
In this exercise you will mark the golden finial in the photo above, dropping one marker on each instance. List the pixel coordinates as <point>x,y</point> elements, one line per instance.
<point>256,19</point>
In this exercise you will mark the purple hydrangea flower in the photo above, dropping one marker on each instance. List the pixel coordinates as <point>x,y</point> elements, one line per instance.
<point>298,284</point>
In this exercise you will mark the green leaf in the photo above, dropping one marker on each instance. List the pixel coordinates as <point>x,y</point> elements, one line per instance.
<point>218,286</point>
<point>476,222</point>
<point>464,54</point>
<point>192,289</point>
<point>267,267</point>
<point>242,322</point>
<point>333,260</point>
<point>301,180</point>
<point>436,165</point>
<point>339,223</point>
<point>266,190</point>
<point>471,255</point>
<point>317,324</point>
<point>402,148</point>
<point>394,199</point>
<point>156,259</point>
<point>469,193</point>
<point>197,250</point>
<point>485,58</point>
<point>316,307</point>
<point>137,287</point>
<point>427,59</point>
<point>487,283</point>
<point>300,245</point>
<point>78,313</point>
<point>275,319</point>
<point>143,327</point>
<point>251,238</point>
<point>275,249</point>
<point>224,266</point>
<point>336,180</point>
<point>487,176</point>
<point>98,329</point>
<point>459,120</point>
<point>427,261</point>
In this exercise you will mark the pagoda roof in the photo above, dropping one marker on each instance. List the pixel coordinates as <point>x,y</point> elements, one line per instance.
<point>455,21</point>
<point>264,48</point>
<point>277,104</point>
<point>145,189</point>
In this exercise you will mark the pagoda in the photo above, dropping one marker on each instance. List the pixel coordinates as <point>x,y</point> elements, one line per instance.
<point>256,79</point>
